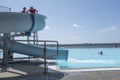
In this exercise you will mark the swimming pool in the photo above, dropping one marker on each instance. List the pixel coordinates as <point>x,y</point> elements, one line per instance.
<point>91,58</point>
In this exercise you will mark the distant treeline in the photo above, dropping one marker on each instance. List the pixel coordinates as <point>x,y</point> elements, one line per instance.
<point>93,45</point>
<point>89,45</point>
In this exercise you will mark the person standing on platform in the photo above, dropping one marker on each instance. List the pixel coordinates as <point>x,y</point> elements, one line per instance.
<point>24,9</point>
<point>32,10</point>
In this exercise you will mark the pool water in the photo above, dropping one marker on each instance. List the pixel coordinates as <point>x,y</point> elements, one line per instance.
<point>91,58</point>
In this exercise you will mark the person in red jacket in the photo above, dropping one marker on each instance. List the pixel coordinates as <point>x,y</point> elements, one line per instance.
<point>32,10</point>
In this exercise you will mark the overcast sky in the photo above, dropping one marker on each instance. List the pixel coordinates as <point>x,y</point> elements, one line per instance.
<point>75,21</point>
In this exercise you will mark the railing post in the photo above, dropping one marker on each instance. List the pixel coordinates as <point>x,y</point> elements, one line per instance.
<point>45,62</point>
<point>5,49</point>
<point>57,48</point>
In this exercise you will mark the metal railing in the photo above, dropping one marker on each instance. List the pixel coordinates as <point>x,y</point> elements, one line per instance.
<point>5,9</point>
<point>45,48</point>
<point>44,51</point>
<point>44,43</point>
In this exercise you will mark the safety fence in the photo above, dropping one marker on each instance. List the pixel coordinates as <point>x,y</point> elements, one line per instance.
<point>5,9</point>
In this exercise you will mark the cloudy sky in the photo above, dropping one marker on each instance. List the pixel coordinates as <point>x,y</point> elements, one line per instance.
<point>75,21</point>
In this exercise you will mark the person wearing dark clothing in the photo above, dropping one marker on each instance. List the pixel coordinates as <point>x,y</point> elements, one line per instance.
<point>24,9</point>
<point>101,52</point>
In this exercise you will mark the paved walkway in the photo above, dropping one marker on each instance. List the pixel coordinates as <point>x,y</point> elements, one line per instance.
<point>34,71</point>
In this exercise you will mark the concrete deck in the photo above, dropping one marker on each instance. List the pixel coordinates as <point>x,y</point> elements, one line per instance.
<point>33,70</point>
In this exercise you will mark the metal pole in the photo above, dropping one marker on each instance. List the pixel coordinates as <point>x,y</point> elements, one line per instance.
<point>10,9</point>
<point>57,48</point>
<point>45,65</point>
<point>37,38</point>
<point>5,50</point>
<point>34,38</point>
<point>28,38</point>
<point>28,42</point>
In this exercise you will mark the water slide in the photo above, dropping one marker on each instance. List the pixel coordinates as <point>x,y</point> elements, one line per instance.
<point>20,22</point>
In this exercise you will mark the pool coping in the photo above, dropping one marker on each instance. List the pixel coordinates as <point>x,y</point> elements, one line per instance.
<point>88,70</point>
<point>57,68</point>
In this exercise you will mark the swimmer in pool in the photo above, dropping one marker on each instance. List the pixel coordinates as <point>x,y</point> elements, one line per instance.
<point>101,52</point>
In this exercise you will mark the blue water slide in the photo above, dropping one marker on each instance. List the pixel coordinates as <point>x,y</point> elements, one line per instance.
<point>26,22</point>
<point>31,50</point>
<point>21,22</point>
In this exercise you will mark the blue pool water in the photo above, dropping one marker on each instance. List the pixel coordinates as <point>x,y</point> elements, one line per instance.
<point>91,58</point>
